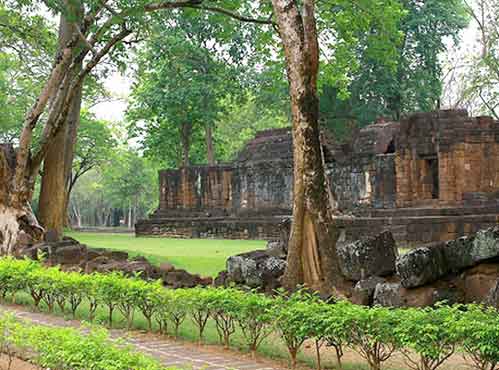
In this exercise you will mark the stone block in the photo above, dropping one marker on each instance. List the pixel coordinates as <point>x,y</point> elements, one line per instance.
<point>363,291</point>
<point>427,264</point>
<point>422,265</point>
<point>485,245</point>
<point>372,256</point>
<point>181,279</point>
<point>388,295</point>
<point>166,267</point>
<point>478,282</point>
<point>68,255</point>
<point>256,269</point>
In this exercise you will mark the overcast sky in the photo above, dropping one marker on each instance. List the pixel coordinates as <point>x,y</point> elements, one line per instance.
<point>119,88</point>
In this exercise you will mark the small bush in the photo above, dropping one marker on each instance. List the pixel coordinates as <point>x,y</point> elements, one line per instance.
<point>63,348</point>
<point>427,337</point>
<point>479,329</point>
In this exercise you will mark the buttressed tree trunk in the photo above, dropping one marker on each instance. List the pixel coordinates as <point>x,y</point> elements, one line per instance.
<point>53,192</point>
<point>312,246</point>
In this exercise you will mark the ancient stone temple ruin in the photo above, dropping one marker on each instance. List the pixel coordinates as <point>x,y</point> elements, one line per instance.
<point>431,177</point>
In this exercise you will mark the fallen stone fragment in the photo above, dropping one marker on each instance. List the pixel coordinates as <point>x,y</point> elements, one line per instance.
<point>372,256</point>
<point>388,295</point>
<point>430,263</point>
<point>256,269</point>
<point>422,265</point>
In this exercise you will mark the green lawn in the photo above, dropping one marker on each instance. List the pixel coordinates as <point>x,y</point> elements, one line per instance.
<point>203,256</point>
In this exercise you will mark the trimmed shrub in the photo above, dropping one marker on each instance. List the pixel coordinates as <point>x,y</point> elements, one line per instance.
<point>426,337</point>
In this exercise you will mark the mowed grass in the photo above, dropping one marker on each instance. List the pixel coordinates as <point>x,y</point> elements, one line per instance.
<point>201,256</point>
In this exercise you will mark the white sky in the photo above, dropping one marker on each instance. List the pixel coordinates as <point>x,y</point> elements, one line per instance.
<point>114,109</point>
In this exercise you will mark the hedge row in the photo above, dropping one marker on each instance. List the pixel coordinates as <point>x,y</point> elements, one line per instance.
<point>66,348</point>
<point>426,337</point>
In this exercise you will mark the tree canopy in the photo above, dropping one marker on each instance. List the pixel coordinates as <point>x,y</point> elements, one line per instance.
<point>412,82</point>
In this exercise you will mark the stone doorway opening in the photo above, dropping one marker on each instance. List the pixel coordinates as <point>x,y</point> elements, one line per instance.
<point>433,176</point>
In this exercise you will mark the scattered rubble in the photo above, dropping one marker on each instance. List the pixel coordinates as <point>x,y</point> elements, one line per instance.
<point>73,256</point>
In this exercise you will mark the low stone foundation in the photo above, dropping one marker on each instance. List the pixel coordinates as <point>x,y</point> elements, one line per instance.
<point>212,228</point>
<point>413,227</point>
<point>407,227</point>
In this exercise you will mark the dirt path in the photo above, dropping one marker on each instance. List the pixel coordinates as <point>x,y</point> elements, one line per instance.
<point>16,364</point>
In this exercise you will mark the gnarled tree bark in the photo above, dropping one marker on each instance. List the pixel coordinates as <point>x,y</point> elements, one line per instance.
<point>18,225</point>
<point>312,246</point>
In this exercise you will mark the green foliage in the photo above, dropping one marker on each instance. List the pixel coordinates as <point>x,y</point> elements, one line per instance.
<point>254,317</point>
<point>123,184</point>
<point>477,70</point>
<point>391,79</point>
<point>66,348</point>
<point>426,337</point>
<point>185,71</point>
<point>26,45</point>
<point>239,119</point>
<point>371,333</point>
<point>479,329</point>
<point>95,144</point>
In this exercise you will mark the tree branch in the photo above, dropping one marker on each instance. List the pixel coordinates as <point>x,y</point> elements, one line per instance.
<point>198,4</point>
<point>59,72</point>
<point>53,129</point>
<point>233,15</point>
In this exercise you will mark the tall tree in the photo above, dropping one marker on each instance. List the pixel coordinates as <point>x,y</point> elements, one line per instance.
<point>187,66</point>
<point>59,157</point>
<point>473,77</point>
<point>312,258</point>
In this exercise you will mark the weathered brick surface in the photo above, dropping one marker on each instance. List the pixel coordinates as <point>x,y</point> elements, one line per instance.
<point>465,151</point>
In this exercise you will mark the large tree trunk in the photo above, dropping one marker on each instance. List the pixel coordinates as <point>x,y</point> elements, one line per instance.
<point>312,247</point>
<point>73,124</point>
<point>210,151</point>
<point>52,194</point>
<point>53,201</point>
<point>18,225</point>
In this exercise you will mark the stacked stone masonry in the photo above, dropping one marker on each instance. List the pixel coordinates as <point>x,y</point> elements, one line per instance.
<point>431,177</point>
